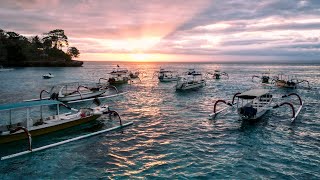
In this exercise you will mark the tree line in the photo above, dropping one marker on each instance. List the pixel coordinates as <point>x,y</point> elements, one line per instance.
<point>17,48</point>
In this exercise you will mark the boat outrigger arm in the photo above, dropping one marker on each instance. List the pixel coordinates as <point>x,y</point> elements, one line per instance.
<point>232,104</point>
<point>31,150</point>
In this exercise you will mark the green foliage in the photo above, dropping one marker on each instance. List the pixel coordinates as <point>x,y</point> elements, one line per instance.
<point>73,52</point>
<point>17,48</point>
<point>57,38</point>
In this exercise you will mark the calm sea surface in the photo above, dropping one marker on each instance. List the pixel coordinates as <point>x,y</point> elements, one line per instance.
<point>171,136</point>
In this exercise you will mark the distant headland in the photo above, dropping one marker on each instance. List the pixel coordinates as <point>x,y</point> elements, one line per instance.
<point>37,51</point>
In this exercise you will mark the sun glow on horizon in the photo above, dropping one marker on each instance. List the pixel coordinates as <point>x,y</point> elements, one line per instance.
<point>131,57</point>
<point>140,57</point>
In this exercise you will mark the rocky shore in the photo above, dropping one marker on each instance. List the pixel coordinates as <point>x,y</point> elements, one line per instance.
<point>60,63</point>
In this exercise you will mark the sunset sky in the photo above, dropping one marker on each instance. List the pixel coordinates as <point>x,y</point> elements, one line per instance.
<point>174,30</point>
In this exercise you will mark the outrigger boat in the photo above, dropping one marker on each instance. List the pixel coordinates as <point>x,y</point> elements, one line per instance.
<point>253,104</point>
<point>76,91</point>
<point>118,76</point>
<point>134,75</point>
<point>48,76</point>
<point>167,75</point>
<point>192,80</point>
<point>287,81</point>
<point>265,78</point>
<point>16,131</point>
<point>217,74</point>
<point>2,69</point>
<point>28,128</point>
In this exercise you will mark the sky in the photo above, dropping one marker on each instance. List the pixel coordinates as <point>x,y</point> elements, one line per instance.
<point>175,30</point>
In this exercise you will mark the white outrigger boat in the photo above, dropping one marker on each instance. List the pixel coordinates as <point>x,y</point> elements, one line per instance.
<point>288,81</point>
<point>76,91</point>
<point>48,76</point>
<point>253,104</point>
<point>192,80</point>
<point>265,77</point>
<point>217,74</point>
<point>26,128</point>
<point>2,69</point>
<point>118,76</point>
<point>167,75</point>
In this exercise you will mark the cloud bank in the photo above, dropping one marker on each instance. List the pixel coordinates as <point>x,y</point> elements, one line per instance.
<point>211,30</point>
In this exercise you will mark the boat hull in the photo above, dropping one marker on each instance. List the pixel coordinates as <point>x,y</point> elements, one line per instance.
<point>41,131</point>
<point>47,77</point>
<point>257,116</point>
<point>167,79</point>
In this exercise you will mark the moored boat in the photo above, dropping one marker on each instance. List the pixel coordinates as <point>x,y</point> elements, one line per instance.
<point>192,80</point>
<point>167,75</point>
<point>289,81</point>
<point>48,76</point>
<point>119,76</point>
<point>217,74</point>
<point>253,104</point>
<point>75,91</point>
<point>2,69</point>
<point>17,130</point>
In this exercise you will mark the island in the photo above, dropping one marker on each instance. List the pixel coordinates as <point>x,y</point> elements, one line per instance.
<point>37,51</point>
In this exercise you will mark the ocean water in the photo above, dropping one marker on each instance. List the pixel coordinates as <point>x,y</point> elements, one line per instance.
<point>171,137</point>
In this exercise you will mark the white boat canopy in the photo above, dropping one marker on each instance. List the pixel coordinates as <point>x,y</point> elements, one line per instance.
<point>254,93</point>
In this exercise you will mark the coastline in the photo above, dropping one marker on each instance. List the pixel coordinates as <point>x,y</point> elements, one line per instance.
<point>72,63</point>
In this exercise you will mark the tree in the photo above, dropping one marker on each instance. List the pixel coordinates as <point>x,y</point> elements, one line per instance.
<point>57,38</point>
<point>73,52</point>
<point>36,42</point>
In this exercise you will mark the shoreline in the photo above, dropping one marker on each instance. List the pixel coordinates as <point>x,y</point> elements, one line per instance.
<point>72,63</point>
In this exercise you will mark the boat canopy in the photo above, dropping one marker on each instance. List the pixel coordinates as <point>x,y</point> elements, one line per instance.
<point>254,93</point>
<point>28,104</point>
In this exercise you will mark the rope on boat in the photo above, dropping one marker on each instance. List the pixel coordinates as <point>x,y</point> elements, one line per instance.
<point>65,141</point>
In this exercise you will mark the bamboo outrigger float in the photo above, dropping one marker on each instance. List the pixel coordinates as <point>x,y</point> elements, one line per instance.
<point>253,104</point>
